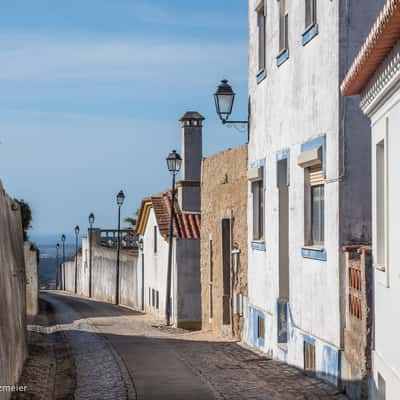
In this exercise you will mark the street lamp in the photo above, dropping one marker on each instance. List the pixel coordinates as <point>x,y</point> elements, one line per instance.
<point>224,98</point>
<point>174,162</point>
<point>120,201</point>
<point>91,222</point>
<point>58,267</point>
<point>141,247</point>
<point>63,259</point>
<point>76,257</point>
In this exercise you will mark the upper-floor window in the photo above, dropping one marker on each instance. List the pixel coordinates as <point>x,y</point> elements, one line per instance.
<point>283,25</point>
<point>261,35</point>
<point>317,195</point>
<point>155,239</point>
<point>311,13</point>
<point>380,208</point>
<point>257,188</point>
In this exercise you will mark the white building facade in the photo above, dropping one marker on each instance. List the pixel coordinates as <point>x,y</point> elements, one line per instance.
<point>308,178</point>
<point>375,75</point>
<point>153,230</point>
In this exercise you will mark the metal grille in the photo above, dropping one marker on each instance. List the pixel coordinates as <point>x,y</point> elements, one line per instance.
<point>355,289</point>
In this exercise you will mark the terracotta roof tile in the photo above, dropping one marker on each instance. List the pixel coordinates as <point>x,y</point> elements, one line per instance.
<point>185,225</point>
<point>380,41</point>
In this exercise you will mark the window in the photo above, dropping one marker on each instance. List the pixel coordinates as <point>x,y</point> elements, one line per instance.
<point>261,36</point>
<point>309,357</point>
<point>157,299</point>
<point>380,207</point>
<point>317,209</point>
<point>258,209</point>
<point>311,13</point>
<point>149,297</point>
<point>260,328</point>
<point>155,239</point>
<point>283,25</point>
<point>153,299</point>
<point>317,215</point>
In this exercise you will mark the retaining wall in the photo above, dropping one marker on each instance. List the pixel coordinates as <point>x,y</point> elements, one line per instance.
<point>13,347</point>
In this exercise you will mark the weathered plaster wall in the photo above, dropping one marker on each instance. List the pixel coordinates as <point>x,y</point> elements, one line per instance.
<point>32,284</point>
<point>13,348</point>
<point>187,280</point>
<point>355,147</point>
<point>223,195</point>
<point>296,102</point>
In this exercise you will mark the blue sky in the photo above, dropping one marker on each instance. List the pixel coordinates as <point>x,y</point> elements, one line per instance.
<point>91,92</point>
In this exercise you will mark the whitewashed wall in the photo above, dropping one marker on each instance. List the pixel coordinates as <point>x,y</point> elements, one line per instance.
<point>381,101</point>
<point>155,270</point>
<point>296,103</point>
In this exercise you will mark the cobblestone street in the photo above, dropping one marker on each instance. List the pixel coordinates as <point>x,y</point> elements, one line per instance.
<point>91,350</point>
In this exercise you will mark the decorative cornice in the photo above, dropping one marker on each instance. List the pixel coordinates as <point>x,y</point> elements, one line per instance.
<point>384,78</point>
<point>380,41</point>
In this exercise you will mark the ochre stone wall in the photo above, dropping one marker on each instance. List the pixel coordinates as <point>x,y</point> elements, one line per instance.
<point>223,195</point>
<point>356,364</point>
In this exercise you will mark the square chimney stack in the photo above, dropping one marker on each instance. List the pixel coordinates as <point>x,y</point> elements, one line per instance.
<point>192,154</point>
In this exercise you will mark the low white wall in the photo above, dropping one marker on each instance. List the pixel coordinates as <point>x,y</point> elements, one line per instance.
<point>104,275</point>
<point>13,347</point>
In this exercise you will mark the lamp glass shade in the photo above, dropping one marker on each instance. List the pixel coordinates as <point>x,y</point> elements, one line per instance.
<point>77,230</point>
<point>140,243</point>
<point>91,219</point>
<point>63,238</point>
<point>174,162</point>
<point>58,245</point>
<point>120,198</point>
<point>224,97</point>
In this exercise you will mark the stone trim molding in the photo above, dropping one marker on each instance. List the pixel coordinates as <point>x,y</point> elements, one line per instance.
<point>383,80</point>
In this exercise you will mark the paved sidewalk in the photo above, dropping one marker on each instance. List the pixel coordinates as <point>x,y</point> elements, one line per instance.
<point>114,346</point>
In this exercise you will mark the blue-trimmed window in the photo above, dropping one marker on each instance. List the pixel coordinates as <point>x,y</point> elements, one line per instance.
<point>283,25</point>
<point>311,13</point>
<point>311,27</point>
<point>283,54</point>
<point>312,160</point>
<point>257,189</point>
<point>261,21</point>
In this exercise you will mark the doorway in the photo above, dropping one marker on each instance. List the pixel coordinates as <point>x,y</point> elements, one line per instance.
<point>283,299</point>
<point>226,270</point>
